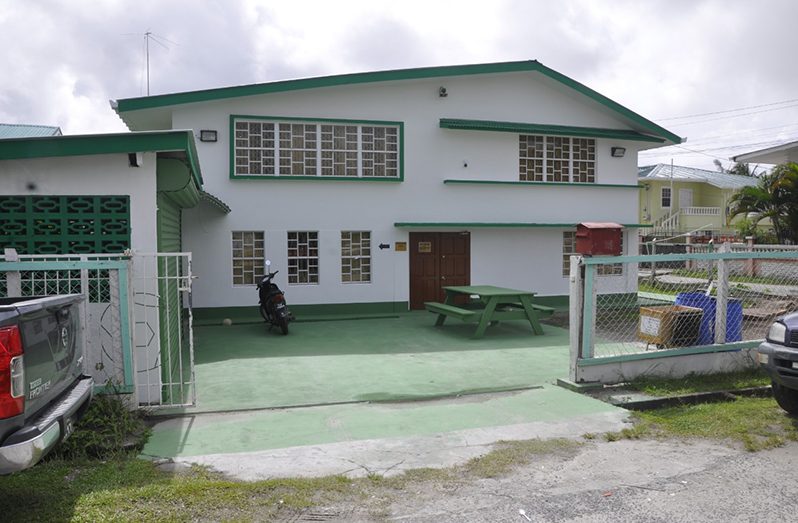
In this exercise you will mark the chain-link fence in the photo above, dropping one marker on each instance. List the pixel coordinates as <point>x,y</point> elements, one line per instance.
<point>645,304</point>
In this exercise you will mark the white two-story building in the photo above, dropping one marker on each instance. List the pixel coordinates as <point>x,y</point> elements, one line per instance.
<point>371,191</point>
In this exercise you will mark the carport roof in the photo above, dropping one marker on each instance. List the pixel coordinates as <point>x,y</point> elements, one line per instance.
<point>92,144</point>
<point>786,152</point>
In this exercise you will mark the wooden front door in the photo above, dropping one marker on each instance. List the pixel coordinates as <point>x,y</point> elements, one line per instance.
<point>437,259</point>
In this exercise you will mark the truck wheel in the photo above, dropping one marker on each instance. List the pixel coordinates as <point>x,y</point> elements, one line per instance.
<point>283,321</point>
<point>786,398</point>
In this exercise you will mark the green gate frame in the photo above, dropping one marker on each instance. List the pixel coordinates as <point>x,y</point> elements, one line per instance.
<point>128,386</point>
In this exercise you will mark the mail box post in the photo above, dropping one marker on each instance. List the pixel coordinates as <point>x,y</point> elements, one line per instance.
<point>598,239</point>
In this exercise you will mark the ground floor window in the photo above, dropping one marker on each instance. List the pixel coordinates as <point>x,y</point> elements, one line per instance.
<point>665,200</point>
<point>568,250</point>
<point>303,257</point>
<point>248,258</point>
<point>356,256</point>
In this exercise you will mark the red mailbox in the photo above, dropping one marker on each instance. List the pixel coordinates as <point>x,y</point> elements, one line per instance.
<point>598,239</point>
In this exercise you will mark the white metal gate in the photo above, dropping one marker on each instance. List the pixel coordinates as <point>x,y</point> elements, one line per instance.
<point>137,321</point>
<point>163,329</point>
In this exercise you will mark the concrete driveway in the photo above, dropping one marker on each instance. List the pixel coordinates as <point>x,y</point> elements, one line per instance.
<point>336,388</point>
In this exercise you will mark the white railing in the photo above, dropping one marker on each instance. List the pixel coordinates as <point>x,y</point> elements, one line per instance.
<point>666,224</point>
<point>701,211</point>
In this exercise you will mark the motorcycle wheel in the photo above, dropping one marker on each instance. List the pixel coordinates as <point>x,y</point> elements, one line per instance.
<point>283,321</point>
<point>263,313</point>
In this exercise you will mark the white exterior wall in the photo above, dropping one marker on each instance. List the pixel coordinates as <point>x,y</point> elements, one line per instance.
<point>105,174</point>
<point>529,258</point>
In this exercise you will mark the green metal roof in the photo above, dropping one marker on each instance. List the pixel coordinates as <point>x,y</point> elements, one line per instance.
<point>678,173</point>
<point>12,130</point>
<point>496,225</point>
<point>91,144</point>
<point>166,100</point>
<point>557,130</point>
<point>215,202</point>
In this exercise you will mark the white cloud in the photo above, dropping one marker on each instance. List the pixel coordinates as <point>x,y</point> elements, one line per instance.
<point>64,60</point>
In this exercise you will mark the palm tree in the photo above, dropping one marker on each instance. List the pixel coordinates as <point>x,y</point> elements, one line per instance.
<point>775,196</point>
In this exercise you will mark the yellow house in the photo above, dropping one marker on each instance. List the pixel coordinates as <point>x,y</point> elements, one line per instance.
<point>676,200</point>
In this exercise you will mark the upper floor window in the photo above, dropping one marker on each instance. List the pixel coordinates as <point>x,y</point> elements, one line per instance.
<point>325,149</point>
<point>557,159</point>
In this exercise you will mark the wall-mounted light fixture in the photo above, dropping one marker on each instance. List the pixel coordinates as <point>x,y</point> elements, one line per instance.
<point>208,135</point>
<point>618,152</point>
<point>135,159</point>
<point>442,92</point>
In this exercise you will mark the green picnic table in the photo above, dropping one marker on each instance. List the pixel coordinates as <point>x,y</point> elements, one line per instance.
<point>495,304</point>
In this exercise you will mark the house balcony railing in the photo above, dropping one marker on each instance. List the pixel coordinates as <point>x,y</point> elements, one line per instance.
<point>700,211</point>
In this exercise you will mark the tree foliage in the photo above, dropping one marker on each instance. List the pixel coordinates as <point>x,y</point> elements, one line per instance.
<point>775,197</point>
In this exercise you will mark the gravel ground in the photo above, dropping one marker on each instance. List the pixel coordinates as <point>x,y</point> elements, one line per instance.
<point>629,480</point>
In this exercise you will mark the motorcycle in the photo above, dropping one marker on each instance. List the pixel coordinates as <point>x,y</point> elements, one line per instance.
<point>272,302</point>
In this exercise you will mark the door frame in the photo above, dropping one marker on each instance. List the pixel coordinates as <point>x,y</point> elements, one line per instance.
<point>412,241</point>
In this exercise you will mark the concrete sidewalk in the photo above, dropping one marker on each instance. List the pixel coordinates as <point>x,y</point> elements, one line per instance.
<point>383,438</point>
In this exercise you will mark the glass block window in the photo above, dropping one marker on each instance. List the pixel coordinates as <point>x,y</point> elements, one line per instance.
<point>569,249</point>
<point>356,256</point>
<point>303,257</point>
<point>283,148</point>
<point>557,159</point>
<point>666,197</point>
<point>248,257</point>
<point>65,224</point>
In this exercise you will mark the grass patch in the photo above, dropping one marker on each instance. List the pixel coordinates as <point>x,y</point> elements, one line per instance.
<point>693,383</point>
<point>130,489</point>
<point>511,454</point>
<point>126,488</point>
<point>757,423</point>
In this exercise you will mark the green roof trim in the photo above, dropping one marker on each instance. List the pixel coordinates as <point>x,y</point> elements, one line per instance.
<point>555,130</point>
<point>543,184</point>
<point>206,95</point>
<point>498,225</point>
<point>91,144</point>
<point>215,201</point>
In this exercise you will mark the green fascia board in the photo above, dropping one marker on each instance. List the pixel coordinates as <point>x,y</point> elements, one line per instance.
<point>543,184</point>
<point>91,144</point>
<point>496,225</point>
<point>166,100</point>
<point>553,130</point>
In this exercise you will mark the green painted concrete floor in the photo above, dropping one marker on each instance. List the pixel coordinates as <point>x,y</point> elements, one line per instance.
<point>309,387</point>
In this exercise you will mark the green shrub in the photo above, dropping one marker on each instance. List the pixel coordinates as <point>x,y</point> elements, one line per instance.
<point>108,428</point>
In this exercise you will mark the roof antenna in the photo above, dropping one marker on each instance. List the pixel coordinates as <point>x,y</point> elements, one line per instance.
<point>149,35</point>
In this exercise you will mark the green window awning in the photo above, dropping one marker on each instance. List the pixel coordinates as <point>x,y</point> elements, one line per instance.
<point>556,130</point>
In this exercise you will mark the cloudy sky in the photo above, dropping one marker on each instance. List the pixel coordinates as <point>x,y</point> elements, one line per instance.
<point>719,72</point>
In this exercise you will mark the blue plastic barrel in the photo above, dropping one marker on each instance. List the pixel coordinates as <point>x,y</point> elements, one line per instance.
<point>706,333</point>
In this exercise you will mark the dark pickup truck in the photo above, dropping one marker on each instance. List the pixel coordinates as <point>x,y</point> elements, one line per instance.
<point>778,355</point>
<point>42,387</point>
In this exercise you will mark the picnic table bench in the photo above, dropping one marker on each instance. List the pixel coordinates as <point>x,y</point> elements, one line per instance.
<point>494,304</point>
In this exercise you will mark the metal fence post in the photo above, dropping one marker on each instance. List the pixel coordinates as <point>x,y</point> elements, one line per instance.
<point>576,280</point>
<point>589,312</point>
<point>13,278</point>
<point>722,295</point>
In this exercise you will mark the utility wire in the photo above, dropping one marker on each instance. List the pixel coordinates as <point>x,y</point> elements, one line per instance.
<point>726,111</point>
